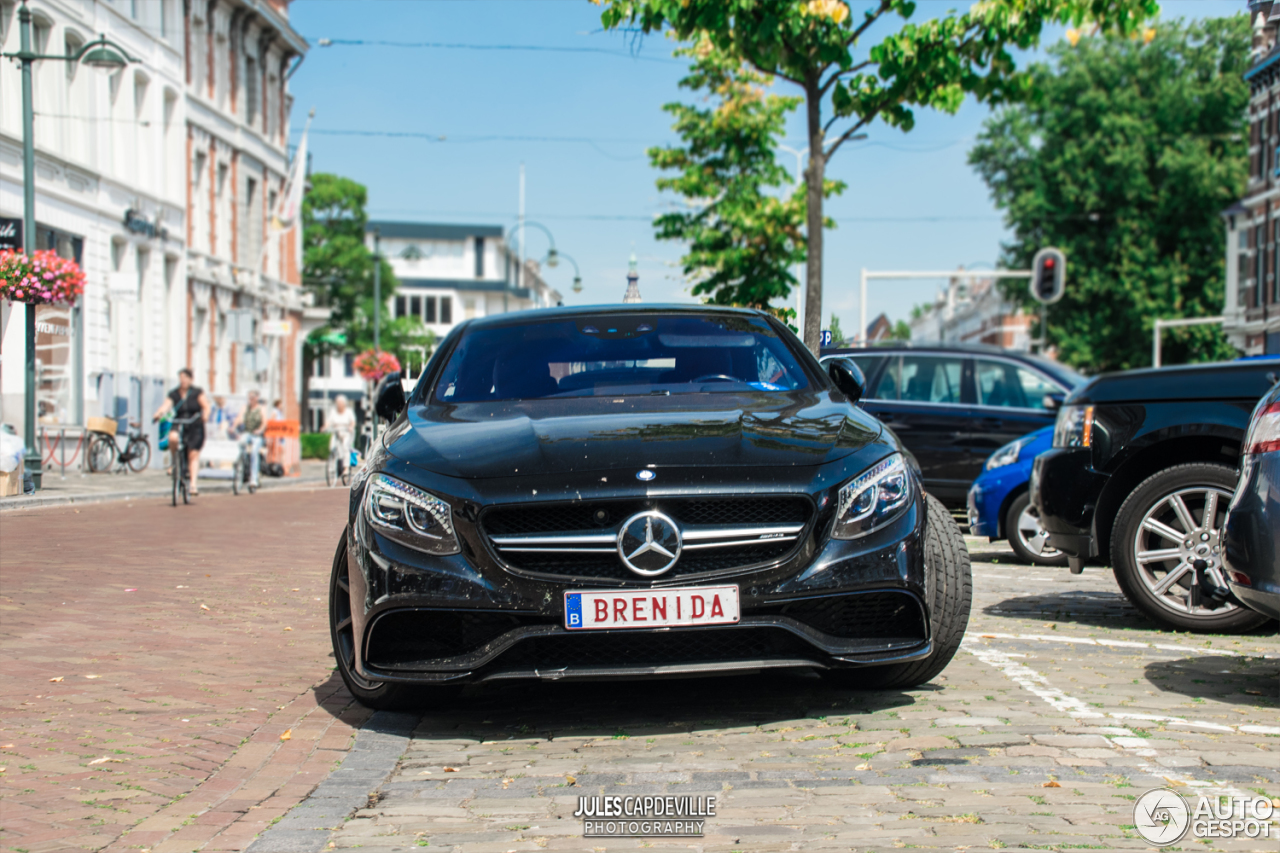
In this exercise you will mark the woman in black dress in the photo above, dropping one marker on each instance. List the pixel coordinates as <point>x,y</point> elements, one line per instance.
<point>187,401</point>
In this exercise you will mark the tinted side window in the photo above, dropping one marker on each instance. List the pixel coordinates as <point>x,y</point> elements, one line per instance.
<point>922,379</point>
<point>1003,384</point>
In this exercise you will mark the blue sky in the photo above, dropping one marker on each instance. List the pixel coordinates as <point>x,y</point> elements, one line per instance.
<point>581,122</point>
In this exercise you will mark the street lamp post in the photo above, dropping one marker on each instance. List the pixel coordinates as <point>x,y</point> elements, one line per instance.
<point>101,53</point>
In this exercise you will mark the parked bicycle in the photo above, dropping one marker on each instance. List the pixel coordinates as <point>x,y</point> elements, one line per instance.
<point>105,451</point>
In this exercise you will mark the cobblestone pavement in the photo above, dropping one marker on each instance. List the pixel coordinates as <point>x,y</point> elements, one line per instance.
<point>1062,706</point>
<point>154,657</point>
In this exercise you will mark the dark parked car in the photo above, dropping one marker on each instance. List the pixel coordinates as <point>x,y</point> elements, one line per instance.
<point>1141,472</point>
<point>1252,536</point>
<point>624,492</point>
<point>955,405</point>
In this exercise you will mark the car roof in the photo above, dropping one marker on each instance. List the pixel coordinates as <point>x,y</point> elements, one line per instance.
<point>562,312</point>
<point>942,346</point>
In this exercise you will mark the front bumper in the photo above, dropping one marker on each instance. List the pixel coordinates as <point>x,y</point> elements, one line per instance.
<point>467,618</point>
<point>1065,489</point>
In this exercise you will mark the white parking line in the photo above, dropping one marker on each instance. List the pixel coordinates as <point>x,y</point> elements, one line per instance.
<point>1027,678</point>
<point>1123,644</point>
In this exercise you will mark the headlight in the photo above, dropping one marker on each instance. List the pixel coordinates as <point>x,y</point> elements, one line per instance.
<point>1006,455</point>
<point>1074,427</point>
<point>873,498</point>
<point>410,516</point>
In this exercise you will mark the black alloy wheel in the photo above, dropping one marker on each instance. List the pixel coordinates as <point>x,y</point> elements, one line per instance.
<point>949,588</point>
<point>380,695</point>
<point>1166,550</point>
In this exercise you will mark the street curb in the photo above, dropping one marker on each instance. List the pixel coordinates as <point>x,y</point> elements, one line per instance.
<point>38,502</point>
<point>306,827</point>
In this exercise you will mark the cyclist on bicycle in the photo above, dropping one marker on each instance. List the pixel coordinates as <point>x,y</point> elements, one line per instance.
<point>253,421</point>
<point>342,424</point>
<point>187,402</point>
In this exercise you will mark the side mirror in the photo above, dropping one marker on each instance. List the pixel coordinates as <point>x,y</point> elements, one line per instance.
<point>848,377</point>
<point>388,398</point>
<point>1053,402</point>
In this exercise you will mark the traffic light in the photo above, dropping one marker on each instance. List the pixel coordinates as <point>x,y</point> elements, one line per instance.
<point>1048,275</point>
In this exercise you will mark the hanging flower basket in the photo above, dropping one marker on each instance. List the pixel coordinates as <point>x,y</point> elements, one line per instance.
<point>375,364</point>
<point>41,278</point>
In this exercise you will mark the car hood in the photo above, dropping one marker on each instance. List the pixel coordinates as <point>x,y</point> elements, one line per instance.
<point>556,436</point>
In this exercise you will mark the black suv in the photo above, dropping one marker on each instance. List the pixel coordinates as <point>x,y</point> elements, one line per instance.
<point>954,405</point>
<point>1141,472</point>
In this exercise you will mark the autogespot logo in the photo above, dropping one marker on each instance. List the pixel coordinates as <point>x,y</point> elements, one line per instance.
<point>649,543</point>
<point>1161,816</point>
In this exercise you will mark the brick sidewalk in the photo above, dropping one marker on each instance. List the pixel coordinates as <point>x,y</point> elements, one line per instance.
<point>164,732</point>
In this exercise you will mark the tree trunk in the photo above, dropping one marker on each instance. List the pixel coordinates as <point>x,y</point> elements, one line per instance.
<point>814,177</point>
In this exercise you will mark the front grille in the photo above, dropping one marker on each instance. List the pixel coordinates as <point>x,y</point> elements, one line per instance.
<point>407,636</point>
<point>733,524</point>
<point>600,515</point>
<point>627,649</point>
<point>867,615</point>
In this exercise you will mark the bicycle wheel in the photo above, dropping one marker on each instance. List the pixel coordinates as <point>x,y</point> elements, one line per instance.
<point>236,471</point>
<point>331,470</point>
<point>139,454</point>
<point>176,468</point>
<point>102,452</point>
<point>346,474</point>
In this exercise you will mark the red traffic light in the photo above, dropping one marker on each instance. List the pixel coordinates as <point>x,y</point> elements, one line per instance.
<point>1048,262</point>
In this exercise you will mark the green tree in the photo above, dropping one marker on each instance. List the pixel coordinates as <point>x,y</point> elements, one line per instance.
<point>743,238</point>
<point>1124,160</point>
<point>837,334</point>
<point>901,331</point>
<point>846,86</point>
<point>337,266</point>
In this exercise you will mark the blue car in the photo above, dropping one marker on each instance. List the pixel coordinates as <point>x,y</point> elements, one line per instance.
<point>1000,502</point>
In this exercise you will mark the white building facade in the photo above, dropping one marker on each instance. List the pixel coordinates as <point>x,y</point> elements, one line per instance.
<point>159,179</point>
<point>973,311</point>
<point>109,194</point>
<point>447,274</point>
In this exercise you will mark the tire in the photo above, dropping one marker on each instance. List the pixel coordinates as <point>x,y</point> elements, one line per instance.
<point>236,471</point>
<point>330,470</point>
<point>1028,542</point>
<point>950,592</point>
<point>139,455</point>
<point>177,480</point>
<point>102,453</point>
<point>379,695</point>
<point>1176,501</point>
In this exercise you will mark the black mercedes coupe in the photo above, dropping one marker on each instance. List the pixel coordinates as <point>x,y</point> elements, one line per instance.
<point>621,492</point>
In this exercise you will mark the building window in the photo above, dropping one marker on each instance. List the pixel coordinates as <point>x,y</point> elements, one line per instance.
<point>431,309</point>
<point>319,367</point>
<point>415,306</point>
<point>1259,263</point>
<point>446,309</point>
<point>348,365</point>
<point>479,257</point>
<point>250,89</point>
<point>400,310</point>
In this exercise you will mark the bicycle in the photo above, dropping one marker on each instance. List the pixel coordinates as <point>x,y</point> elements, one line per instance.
<point>338,468</point>
<point>105,451</point>
<point>181,469</point>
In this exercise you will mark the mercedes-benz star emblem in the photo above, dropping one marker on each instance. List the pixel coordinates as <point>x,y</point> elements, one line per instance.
<point>649,543</point>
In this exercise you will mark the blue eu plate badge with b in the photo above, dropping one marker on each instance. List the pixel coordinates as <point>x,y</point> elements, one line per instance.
<point>573,610</point>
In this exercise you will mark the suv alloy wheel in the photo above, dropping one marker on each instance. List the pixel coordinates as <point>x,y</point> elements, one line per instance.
<point>1167,553</point>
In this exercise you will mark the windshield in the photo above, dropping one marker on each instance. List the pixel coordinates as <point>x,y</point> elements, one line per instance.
<point>621,354</point>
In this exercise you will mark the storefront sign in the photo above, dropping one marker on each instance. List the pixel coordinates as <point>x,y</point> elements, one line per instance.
<point>277,328</point>
<point>139,224</point>
<point>10,234</point>
<point>51,329</point>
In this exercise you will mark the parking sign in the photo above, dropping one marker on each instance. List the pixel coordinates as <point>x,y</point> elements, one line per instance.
<point>825,339</point>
